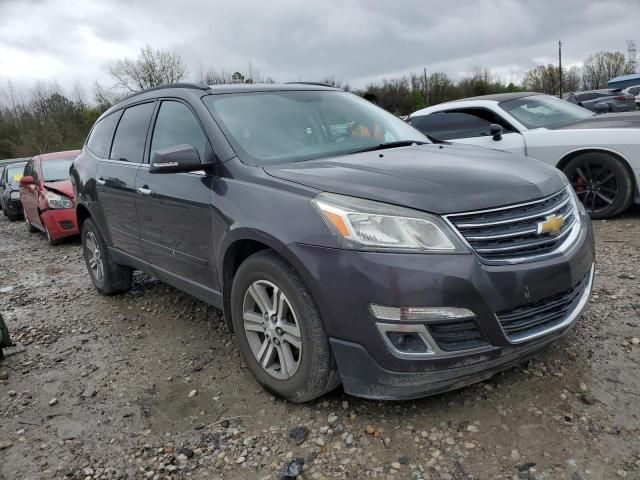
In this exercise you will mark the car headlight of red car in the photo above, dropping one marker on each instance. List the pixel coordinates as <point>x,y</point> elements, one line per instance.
<point>58,201</point>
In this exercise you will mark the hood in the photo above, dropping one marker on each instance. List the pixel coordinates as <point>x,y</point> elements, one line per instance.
<point>434,178</point>
<point>606,120</point>
<point>63,187</point>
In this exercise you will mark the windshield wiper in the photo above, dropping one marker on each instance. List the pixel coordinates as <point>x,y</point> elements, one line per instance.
<point>384,146</point>
<point>436,139</point>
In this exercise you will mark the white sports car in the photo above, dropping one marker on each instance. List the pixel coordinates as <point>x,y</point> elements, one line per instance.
<point>600,154</point>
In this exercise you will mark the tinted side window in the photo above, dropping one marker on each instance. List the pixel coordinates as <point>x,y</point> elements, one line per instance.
<point>34,172</point>
<point>131,134</point>
<point>176,125</point>
<point>30,170</point>
<point>100,139</point>
<point>451,125</point>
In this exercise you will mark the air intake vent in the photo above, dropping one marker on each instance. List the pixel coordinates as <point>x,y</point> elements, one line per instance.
<point>457,335</point>
<point>522,321</point>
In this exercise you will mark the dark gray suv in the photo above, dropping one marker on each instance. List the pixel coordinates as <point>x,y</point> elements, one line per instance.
<point>342,244</point>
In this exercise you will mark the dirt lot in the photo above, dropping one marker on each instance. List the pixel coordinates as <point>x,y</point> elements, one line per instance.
<point>151,385</point>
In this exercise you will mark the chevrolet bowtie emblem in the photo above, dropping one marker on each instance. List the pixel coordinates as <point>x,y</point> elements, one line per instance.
<point>551,225</point>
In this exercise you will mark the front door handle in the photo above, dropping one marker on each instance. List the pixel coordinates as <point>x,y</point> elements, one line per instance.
<point>100,181</point>
<point>144,190</point>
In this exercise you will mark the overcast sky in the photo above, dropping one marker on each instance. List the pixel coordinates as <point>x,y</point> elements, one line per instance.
<point>357,41</point>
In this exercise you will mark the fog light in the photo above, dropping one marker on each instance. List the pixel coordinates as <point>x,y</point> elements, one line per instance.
<point>416,314</point>
<point>407,342</point>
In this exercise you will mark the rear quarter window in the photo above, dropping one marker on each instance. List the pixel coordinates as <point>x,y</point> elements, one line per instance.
<point>99,141</point>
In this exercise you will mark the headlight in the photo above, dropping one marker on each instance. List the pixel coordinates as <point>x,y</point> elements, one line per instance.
<point>14,195</point>
<point>57,201</point>
<point>360,224</point>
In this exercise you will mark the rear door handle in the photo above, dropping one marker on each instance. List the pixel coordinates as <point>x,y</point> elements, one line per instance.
<point>100,181</point>
<point>144,190</point>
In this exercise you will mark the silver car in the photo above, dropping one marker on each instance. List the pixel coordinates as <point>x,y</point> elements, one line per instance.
<point>604,100</point>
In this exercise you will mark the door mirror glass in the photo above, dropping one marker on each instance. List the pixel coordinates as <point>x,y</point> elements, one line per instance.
<point>495,131</point>
<point>179,158</point>
<point>28,180</point>
<point>601,107</point>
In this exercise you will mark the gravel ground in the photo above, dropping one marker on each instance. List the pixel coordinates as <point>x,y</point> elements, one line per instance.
<point>150,385</point>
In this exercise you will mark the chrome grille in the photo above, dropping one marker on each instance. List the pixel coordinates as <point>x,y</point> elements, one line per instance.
<point>511,233</point>
<point>542,315</point>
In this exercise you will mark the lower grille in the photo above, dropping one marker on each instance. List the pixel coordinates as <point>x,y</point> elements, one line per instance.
<point>525,320</point>
<point>457,335</point>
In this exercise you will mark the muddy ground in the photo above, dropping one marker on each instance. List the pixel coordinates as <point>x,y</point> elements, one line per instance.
<point>150,385</point>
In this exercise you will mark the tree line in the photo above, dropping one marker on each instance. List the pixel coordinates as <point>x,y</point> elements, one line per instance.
<point>50,119</point>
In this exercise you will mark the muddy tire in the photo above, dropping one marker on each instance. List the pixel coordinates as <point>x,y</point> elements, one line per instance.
<point>5,339</point>
<point>50,240</point>
<point>30,228</point>
<point>279,329</point>
<point>108,277</point>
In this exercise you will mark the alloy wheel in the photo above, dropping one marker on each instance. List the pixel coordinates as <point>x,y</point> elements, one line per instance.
<point>94,256</point>
<point>595,185</point>
<point>272,330</point>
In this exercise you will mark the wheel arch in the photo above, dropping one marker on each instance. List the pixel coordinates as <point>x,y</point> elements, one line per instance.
<point>82,213</point>
<point>239,245</point>
<point>579,151</point>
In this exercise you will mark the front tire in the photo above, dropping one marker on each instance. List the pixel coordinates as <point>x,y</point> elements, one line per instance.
<point>279,329</point>
<point>107,276</point>
<point>52,242</point>
<point>602,182</point>
<point>30,228</point>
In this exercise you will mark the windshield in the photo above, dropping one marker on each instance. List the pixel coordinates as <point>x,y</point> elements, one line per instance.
<point>15,173</point>
<point>275,127</point>
<point>55,170</point>
<point>544,110</point>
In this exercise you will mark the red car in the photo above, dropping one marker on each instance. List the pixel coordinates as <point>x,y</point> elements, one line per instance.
<point>47,195</point>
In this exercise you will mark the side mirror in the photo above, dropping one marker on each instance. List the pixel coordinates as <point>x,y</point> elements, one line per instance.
<point>495,131</point>
<point>176,159</point>
<point>28,180</point>
<point>601,107</point>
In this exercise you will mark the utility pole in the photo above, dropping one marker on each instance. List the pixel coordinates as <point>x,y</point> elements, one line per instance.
<point>560,64</point>
<point>426,88</point>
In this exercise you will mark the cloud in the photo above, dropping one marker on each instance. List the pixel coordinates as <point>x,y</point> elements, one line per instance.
<point>356,40</point>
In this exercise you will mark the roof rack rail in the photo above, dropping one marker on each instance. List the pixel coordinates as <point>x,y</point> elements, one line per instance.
<point>317,84</point>
<point>199,86</point>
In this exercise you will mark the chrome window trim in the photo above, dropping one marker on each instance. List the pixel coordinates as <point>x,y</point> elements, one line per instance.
<point>570,318</point>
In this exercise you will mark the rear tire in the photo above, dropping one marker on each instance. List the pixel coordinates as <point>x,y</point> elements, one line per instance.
<point>107,276</point>
<point>602,182</point>
<point>267,335</point>
<point>12,218</point>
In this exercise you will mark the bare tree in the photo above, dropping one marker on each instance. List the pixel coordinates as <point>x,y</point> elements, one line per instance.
<point>151,68</point>
<point>546,79</point>
<point>599,68</point>
<point>213,76</point>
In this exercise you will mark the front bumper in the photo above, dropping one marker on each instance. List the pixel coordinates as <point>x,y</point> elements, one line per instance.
<point>13,206</point>
<point>60,223</point>
<point>345,283</point>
